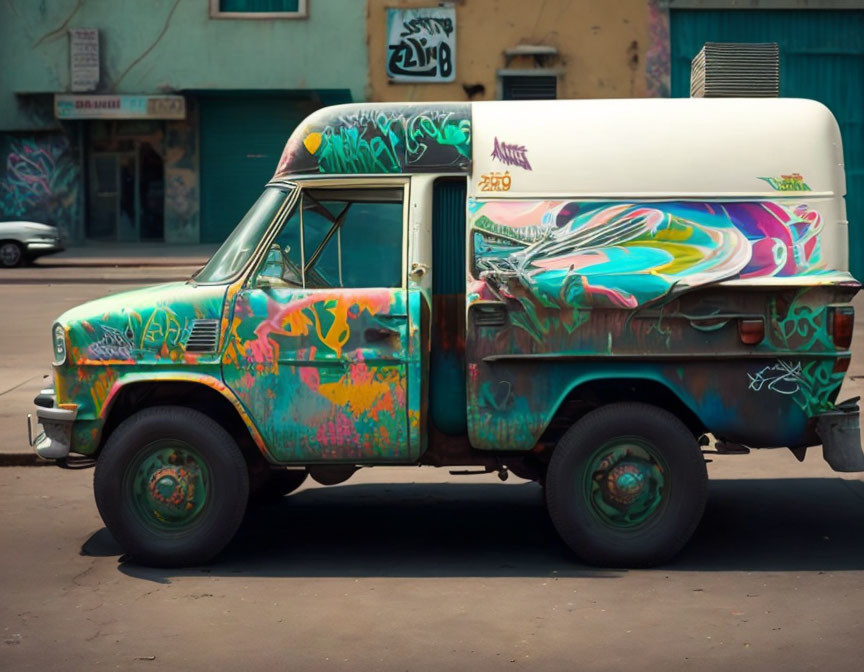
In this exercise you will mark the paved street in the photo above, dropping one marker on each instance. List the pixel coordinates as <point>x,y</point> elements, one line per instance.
<point>414,569</point>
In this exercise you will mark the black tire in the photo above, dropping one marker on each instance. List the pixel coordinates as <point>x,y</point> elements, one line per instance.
<point>226,488</point>
<point>11,254</point>
<point>580,498</point>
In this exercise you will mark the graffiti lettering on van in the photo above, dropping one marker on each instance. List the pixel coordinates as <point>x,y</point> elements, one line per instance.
<point>494,181</point>
<point>810,385</point>
<point>382,140</point>
<point>114,345</point>
<point>782,377</point>
<point>793,182</point>
<point>511,155</point>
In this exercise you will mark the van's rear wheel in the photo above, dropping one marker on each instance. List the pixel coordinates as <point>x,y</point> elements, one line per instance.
<point>627,486</point>
<point>172,486</point>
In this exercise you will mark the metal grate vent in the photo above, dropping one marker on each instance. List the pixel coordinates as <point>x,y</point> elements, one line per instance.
<point>204,336</point>
<point>529,87</point>
<point>730,69</point>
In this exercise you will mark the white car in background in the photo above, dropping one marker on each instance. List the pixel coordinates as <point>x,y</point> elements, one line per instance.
<point>22,242</point>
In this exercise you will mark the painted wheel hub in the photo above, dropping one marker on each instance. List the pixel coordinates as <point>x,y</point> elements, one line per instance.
<point>168,485</point>
<point>625,483</point>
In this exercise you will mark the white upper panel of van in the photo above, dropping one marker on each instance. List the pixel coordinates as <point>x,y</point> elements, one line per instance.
<point>693,148</point>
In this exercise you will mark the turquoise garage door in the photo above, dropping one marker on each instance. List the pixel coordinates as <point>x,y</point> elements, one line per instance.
<point>821,57</point>
<point>242,137</point>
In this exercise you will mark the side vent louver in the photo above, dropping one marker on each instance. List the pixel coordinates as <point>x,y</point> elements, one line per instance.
<point>204,336</point>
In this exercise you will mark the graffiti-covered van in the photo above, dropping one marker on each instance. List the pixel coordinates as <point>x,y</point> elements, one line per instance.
<point>585,294</point>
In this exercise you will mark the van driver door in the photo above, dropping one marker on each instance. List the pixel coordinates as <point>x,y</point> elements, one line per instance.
<point>321,340</point>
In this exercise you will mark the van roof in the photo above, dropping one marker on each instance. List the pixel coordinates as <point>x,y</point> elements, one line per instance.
<point>726,147</point>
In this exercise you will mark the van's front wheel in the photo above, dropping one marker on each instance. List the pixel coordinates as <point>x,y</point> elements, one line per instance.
<point>627,486</point>
<point>171,485</point>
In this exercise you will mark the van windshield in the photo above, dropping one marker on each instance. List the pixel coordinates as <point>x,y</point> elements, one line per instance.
<point>230,258</point>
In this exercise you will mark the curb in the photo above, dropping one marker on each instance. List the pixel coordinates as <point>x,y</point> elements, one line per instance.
<point>23,460</point>
<point>89,280</point>
<point>131,262</point>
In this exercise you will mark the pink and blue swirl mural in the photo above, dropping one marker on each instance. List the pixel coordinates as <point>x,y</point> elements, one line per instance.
<point>572,254</point>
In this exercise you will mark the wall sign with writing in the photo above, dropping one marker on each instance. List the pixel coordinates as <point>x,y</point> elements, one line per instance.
<point>119,107</point>
<point>421,44</point>
<point>83,59</point>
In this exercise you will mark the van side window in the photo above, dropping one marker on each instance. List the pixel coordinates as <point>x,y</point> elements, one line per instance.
<point>353,238</point>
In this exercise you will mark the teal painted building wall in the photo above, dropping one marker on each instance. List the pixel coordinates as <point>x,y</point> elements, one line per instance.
<point>821,57</point>
<point>257,70</point>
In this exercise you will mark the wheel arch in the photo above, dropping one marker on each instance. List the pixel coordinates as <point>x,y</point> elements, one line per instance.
<point>587,395</point>
<point>203,393</point>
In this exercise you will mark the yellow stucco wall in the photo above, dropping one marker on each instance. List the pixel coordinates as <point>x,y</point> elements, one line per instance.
<point>607,48</point>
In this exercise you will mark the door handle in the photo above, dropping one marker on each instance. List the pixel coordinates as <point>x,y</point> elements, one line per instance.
<point>378,334</point>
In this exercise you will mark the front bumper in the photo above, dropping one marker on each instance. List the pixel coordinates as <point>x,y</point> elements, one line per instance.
<point>40,247</point>
<point>55,440</point>
<point>840,432</point>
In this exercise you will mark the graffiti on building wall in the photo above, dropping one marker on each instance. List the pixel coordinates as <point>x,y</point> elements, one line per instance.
<point>381,139</point>
<point>40,180</point>
<point>421,44</point>
<point>623,255</point>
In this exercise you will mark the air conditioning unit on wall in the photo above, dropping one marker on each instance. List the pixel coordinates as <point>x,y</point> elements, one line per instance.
<point>735,69</point>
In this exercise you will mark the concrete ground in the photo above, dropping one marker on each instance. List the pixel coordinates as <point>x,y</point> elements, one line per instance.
<point>414,569</point>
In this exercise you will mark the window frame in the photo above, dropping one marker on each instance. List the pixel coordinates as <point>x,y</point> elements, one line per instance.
<point>301,13</point>
<point>337,185</point>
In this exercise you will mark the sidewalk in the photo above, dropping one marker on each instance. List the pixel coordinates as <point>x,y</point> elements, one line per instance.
<point>130,254</point>
<point>123,263</point>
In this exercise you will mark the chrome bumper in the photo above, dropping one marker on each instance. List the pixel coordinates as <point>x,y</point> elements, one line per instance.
<point>55,439</point>
<point>40,246</point>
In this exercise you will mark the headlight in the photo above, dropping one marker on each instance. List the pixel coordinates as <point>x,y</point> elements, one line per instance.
<point>59,344</point>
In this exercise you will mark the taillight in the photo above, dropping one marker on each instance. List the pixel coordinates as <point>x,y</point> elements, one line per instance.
<point>841,364</point>
<point>751,332</point>
<point>841,326</point>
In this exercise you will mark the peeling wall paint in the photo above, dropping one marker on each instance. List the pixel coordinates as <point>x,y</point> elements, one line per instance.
<point>182,181</point>
<point>658,67</point>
